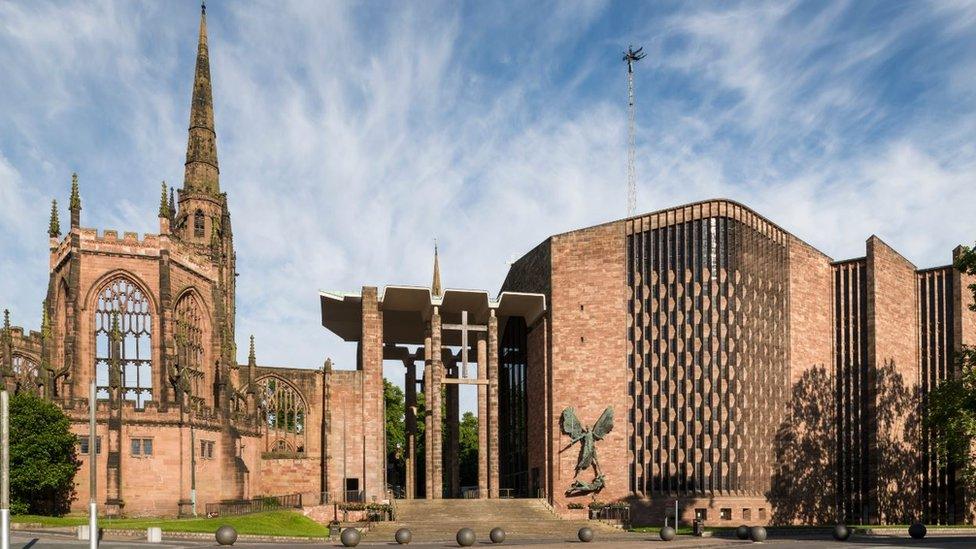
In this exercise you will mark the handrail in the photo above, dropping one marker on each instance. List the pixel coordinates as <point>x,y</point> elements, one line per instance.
<point>253,505</point>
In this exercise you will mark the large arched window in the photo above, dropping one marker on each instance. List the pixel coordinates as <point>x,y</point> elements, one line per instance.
<point>285,415</point>
<point>25,373</point>
<point>190,350</point>
<point>123,337</point>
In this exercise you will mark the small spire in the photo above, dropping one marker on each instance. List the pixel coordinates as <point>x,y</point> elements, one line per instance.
<point>6,320</point>
<point>74,204</point>
<point>54,228</point>
<point>251,359</point>
<point>435,285</point>
<point>116,332</point>
<point>163,204</point>
<point>172,207</point>
<point>45,322</point>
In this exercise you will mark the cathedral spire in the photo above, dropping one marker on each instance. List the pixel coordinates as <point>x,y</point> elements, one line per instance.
<point>54,227</point>
<point>435,285</point>
<point>202,173</point>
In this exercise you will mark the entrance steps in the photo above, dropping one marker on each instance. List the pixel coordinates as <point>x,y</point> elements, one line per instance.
<point>522,519</point>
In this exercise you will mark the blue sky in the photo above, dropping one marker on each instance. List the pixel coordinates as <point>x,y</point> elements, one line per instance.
<point>350,136</point>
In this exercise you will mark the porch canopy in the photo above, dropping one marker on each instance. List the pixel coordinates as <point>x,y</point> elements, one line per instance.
<point>408,309</point>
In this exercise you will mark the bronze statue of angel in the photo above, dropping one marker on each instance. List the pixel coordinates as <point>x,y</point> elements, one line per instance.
<point>571,426</point>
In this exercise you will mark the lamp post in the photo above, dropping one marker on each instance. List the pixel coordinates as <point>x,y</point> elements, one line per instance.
<point>5,466</point>
<point>185,387</point>
<point>92,470</point>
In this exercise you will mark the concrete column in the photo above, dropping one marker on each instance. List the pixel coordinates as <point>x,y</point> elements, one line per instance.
<point>482,417</point>
<point>437,372</point>
<point>452,461</point>
<point>493,405</point>
<point>410,420</point>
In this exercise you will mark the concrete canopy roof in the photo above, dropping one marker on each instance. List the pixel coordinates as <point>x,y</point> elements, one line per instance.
<point>406,310</point>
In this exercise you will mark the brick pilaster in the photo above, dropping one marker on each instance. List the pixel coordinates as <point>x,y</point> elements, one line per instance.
<point>437,372</point>
<point>482,415</point>
<point>493,405</point>
<point>371,362</point>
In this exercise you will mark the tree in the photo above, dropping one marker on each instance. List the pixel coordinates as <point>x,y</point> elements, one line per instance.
<point>952,405</point>
<point>395,433</point>
<point>468,442</point>
<point>43,462</point>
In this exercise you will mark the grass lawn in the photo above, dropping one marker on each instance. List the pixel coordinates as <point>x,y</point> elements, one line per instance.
<point>272,523</point>
<point>686,530</point>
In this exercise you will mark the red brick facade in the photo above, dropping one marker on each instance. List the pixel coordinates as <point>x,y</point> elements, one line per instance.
<point>784,390</point>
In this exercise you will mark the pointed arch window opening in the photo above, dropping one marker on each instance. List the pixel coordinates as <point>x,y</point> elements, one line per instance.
<point>190,350</point>
<point>285,416</point>
<point>26,371</point>
<point>198,224</point>
<point>123,342</point>
<point>61,336</point>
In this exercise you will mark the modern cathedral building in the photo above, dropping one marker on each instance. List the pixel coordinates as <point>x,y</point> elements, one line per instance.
<point>700,355</point>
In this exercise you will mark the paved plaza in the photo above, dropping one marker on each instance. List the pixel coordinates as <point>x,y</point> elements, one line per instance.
<point>46,539</point>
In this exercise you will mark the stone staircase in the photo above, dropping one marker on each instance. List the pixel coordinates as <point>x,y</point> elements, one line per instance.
<point>522,519</point>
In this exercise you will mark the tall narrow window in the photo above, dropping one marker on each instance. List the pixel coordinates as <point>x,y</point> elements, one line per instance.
<point>61,336</point>
<point>285,415</point>
<point>190,323</point>
<point>198,224</point>
<point>123,341</point>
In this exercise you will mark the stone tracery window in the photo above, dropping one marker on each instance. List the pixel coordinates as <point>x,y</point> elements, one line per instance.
<point>25,373</point>
<point>123,336</point>
<point>190,325</point>
<point>285,415</point>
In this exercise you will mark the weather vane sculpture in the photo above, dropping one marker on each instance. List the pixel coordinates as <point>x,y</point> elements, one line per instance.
<point>632,56</point>
<point>571,426</point>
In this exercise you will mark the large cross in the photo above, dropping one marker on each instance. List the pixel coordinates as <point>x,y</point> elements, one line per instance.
<point>464,328</point>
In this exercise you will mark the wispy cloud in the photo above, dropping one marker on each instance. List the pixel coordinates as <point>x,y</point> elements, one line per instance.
<point>350,136</point>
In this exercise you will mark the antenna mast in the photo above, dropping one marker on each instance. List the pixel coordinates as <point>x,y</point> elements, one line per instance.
<point>632,56</point>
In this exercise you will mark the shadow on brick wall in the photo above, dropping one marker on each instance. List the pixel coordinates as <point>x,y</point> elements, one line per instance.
<point>802,488</point>
<point>804,484</point>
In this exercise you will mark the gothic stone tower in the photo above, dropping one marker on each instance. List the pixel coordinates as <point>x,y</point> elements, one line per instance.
<point>151,320</point>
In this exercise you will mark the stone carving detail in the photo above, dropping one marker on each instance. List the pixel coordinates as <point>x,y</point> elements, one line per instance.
<point>571,426</point>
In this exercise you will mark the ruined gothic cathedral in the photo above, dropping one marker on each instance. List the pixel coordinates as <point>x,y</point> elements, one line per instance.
<point>152,319</point>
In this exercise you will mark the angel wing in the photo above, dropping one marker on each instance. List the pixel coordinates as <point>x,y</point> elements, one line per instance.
<point>571,424</point>
<point>603,425</point>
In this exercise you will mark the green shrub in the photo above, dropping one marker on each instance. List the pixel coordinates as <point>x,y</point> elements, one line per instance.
<point>43,462</point>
